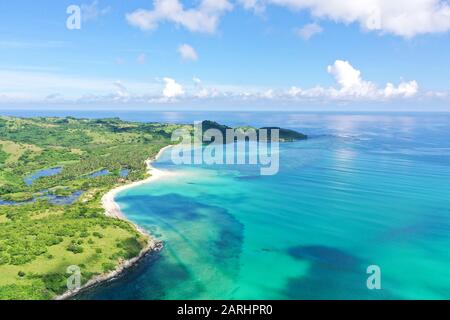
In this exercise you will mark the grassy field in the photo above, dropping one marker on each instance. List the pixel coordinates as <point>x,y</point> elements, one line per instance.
<point>40,240</point>
<point>14,151</point>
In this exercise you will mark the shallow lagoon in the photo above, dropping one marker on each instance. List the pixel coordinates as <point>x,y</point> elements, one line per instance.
<point>364,190</point>
<point>42,173</point>
<point>99,173</point>
<point>124,173</point>
<point>57,200</point>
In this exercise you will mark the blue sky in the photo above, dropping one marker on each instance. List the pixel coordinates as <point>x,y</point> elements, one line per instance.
<point>222,54</point>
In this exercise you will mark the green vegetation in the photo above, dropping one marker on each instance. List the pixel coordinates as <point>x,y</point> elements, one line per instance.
<point>285,135</point>
<point>18,197</point>
<point>3,155</point>
<point>40,240</point>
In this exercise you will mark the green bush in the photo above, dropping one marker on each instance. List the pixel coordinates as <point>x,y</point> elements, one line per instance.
<point>4,258</point>
<point>55,282</point>
<point>98,235</point>
<point>75,248</point>
<point>108,266</point>
<point>84,234</point>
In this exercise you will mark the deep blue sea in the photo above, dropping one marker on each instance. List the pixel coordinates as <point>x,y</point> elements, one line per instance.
<point>365,189</point>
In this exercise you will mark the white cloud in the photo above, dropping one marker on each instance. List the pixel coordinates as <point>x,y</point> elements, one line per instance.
<point>121,91</point>
<point>204,18</point>
<point>309,30</point>
<point>405,89</point>
<point>197,81</point>
<point>25,86</point>
<point>294,91</point>
<point>187,52</point>
<point>172,89</point>
<point>405,18</point>
<point>352,87</point>
<point>202,92</point>
<point>93,11</point>
<point>345,74</point>
<point>255,5</point>
<point>352,84</point>
<point>268,94</point>
<point>437,94</point>
<point>350,81</point>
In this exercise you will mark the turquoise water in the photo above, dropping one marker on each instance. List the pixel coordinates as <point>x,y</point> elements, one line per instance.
<point>364,190</point>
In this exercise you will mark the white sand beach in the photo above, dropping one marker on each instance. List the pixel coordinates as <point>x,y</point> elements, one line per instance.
<point>112,209</point>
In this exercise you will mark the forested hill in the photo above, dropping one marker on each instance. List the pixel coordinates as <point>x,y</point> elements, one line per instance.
<point>285,135</point>
<point>81,146</point>
<point>53,173</point>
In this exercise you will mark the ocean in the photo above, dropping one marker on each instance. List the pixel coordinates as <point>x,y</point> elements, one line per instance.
<point>364,190</point>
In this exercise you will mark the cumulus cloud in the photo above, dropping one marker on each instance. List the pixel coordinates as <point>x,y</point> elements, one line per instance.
<point>405,89</point>
<point>308,31</point>
<point>187,52</point>
<point>351,86</point>
<point>172,89</point>
<point>403,18</point>
<point>349,80</point>
<point>255,5</point>
<point>437,94</point>
<point>202,92</point>
<point>93,11</point>
<point>204,18</point>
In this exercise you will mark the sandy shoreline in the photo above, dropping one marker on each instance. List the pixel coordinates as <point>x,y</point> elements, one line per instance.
<point>112,209</point>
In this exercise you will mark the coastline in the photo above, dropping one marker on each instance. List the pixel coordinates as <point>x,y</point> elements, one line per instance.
<point>112,209</point>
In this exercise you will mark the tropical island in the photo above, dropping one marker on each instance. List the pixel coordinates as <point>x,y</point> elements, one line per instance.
<point>55,176</point>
